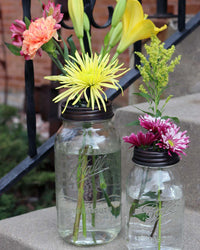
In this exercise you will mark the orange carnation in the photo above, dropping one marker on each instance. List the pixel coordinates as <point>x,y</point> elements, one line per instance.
<point>39,33</point>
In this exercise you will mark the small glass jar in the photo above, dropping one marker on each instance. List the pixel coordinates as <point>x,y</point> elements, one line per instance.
<point>155,204</point>
<point>88,177</point>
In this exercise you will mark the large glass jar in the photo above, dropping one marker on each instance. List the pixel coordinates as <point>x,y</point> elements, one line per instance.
<point>155,203</point>
<point>88,185</point>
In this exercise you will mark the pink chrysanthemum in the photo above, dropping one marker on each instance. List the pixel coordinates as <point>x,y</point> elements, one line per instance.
<point>40,32</point>
<point>53,10</point>
<point>174,140</point>
<point>154,124</point>
<point>17,28</point>
<point>140,139</point>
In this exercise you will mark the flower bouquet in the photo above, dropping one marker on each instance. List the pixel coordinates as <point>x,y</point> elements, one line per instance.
<point>84,77</point>
<point>154,192</point>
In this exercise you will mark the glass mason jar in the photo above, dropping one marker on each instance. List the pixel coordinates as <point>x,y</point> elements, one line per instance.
<point>154,202</point>
<point>88,177</point>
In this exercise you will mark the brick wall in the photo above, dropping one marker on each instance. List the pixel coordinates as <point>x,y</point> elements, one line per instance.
<point>12,9</point>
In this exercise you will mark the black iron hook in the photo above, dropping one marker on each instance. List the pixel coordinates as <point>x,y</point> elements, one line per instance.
<point>89,7</point>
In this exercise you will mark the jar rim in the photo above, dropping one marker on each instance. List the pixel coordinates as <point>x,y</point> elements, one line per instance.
<point>85,113</point>
<point>154,158</point>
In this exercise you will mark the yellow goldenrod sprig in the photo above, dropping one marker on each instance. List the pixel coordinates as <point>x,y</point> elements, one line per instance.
<point>155,73</point>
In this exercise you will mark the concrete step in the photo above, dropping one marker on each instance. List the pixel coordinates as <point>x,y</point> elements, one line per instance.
<point>37,231</point>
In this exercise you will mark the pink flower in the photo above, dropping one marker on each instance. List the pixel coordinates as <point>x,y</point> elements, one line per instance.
<point>153,124</point>
<point>40,32</point>
<point>17,28</point>
<point>174,140</point>
<point>140,139</point>
<point>51,10</point>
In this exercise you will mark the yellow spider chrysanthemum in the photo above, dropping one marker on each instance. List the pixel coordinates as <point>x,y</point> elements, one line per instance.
<point>95,73</point>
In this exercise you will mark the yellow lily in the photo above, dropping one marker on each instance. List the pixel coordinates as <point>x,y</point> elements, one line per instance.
<point>76,13</point>
<point>135,26</point>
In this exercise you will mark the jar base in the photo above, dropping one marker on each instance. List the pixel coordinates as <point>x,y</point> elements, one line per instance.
<point>147,243</point>
<point>93,238</point>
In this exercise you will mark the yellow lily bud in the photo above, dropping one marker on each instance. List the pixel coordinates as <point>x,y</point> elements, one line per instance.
<point>118,12</point>
<point>116,35</point>
<point>135,26</point>
<point>86,22</point>
<point>87,30</point>
<point>76,10</point>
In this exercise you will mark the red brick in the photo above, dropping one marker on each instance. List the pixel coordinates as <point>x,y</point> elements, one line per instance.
<point>12,9</point>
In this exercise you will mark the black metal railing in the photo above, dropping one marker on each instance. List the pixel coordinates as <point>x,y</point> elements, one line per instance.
<point>37,155</point>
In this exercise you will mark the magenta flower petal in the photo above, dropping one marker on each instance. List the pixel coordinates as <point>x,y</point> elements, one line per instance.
<point>17,28</point>
<point>174,140</point>
<point>51,10</point>
<point>154,124</point>
<point>140,139</point>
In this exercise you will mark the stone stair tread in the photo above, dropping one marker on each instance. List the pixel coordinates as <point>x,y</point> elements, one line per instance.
<point>37,231</point>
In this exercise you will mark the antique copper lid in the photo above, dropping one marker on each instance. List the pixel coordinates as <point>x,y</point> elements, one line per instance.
<point>83,113</point>
<point>153,158</point>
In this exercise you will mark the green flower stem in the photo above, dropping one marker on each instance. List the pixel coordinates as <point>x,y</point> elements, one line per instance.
<point>114,57</point>
<point>159,214</point>
<point>82,45</point>
<point>94,191</point>
<point>159,219</point>
<point>84,218</point>
<point>132,208</point>
<point>89,41</point>
<point>57,63</point>
<point>135,203</point>
<point>94,205</point>
<point>154,228</point>
<point>114,210</point>
<point>80,208</point>
<point>94,199</point>
<point>58,47</point>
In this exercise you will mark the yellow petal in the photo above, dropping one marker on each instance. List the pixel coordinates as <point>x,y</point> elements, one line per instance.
<point>132,15</point>
<point>135,26</point>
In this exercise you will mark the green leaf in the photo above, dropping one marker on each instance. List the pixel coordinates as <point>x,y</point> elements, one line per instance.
<point>158,113</point>
<point>66,51</point>
<point>149,204</point>
<point>152,195</point>
<point>15,50</point>
<point>58,47</point>
<point>27,22</point>
<point>142,216</point>
<point>144,95</point>
<point>146,112</point>
<point>116,210</point>
<point>134,123</point>
<point>167,100</point>
<point>50,47</point>
<point>72,45</point>
<point>175,119</point>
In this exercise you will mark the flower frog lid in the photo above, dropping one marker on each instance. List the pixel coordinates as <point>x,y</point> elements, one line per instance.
<point>84,113</point>
<point>154,158</point>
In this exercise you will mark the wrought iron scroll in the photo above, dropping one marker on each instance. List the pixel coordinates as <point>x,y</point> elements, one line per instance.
<point>89,8</point>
